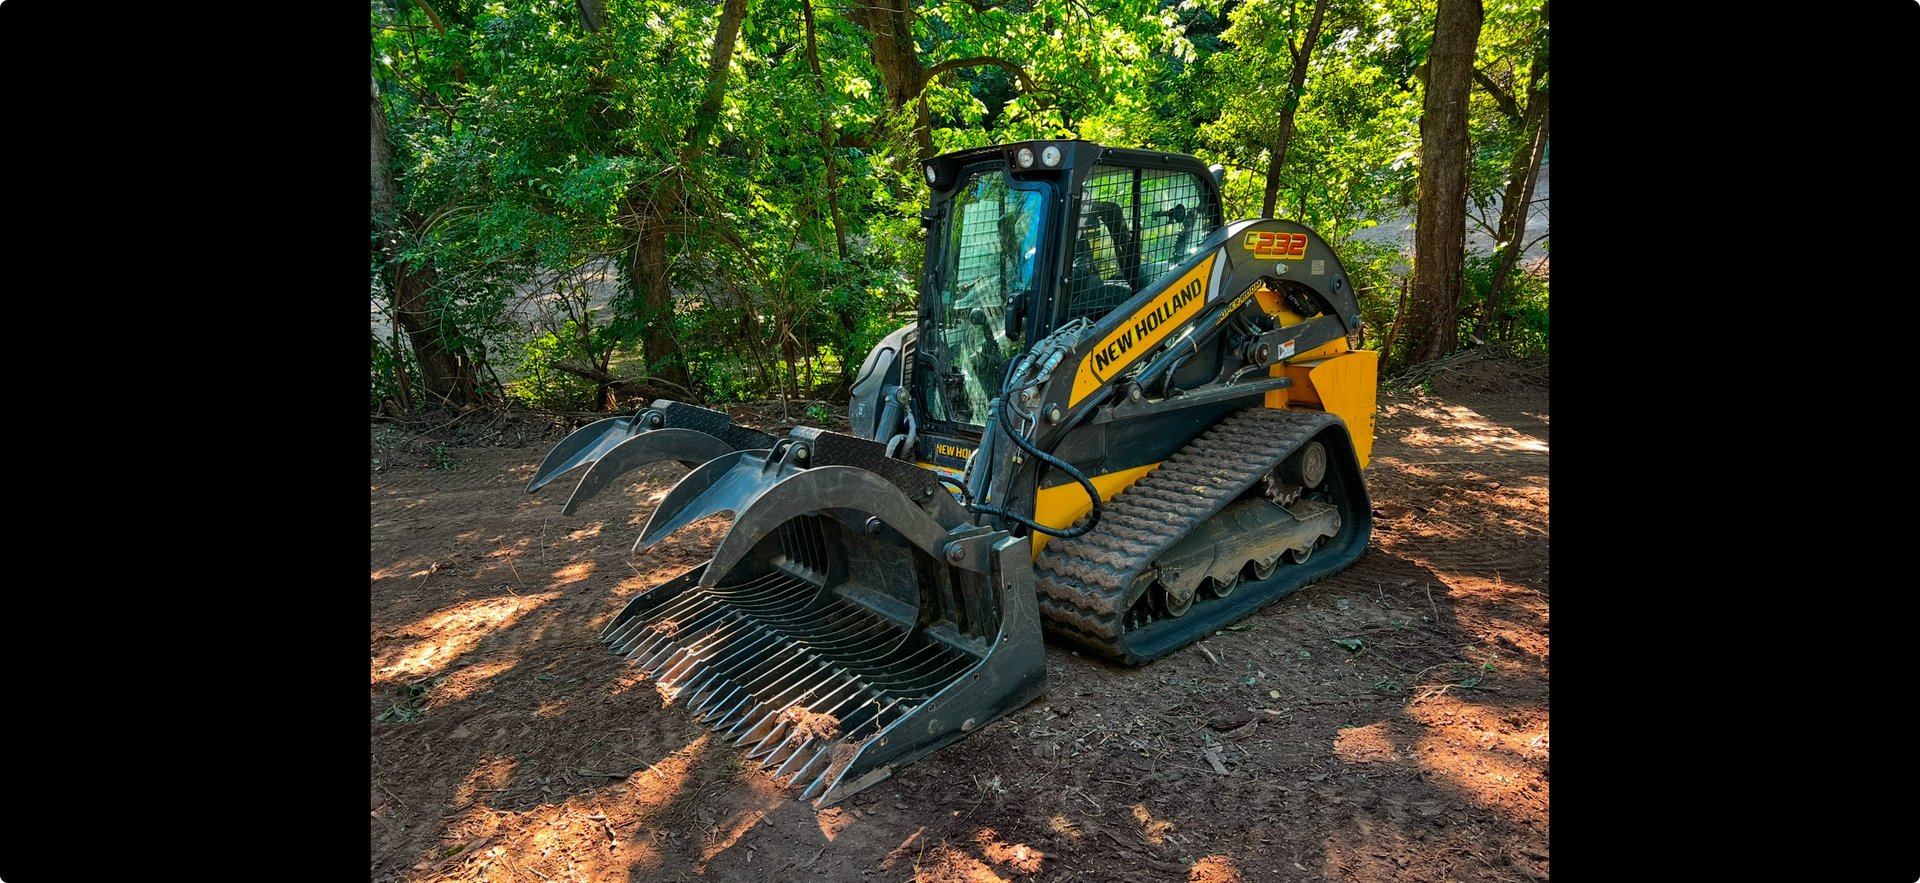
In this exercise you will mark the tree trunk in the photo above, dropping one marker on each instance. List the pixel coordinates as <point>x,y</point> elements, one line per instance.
<point>441,372</point>
<point>400,371</point>
<point>725,34</point>
<point>826,133</point>
<point>890,24</point>
<point>593,14</point>
<point>1522,173</point>
<point>1441,235</point>
<point>647,272</point>
<point>1296,87</point>
<point>790,354</point>
<point>1399,311</point>
<point>655,290</point>
<point>1513,221</point>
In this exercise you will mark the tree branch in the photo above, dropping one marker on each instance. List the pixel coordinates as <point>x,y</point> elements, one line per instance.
<point>979,6</point>
<point>1500,96</point>
<point>1482,221</point>
<point>434,17</point>
<point>589,372</point>
<point>726,33</point>
<point>1026,82</point>
<point>862,141</point>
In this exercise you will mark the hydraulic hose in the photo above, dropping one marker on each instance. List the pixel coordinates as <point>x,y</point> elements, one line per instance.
<point>1093,493</point>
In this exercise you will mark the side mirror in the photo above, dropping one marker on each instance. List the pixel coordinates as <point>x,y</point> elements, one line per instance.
<point>1219,176</point>
<point>1017,312</point>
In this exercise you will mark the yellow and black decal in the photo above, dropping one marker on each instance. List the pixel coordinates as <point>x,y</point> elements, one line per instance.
<point>954,451</point>
<point>1133,338</point>
<point>945,453</point>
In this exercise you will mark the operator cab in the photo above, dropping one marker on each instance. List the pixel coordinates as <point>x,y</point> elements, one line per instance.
<point>1023,238</point>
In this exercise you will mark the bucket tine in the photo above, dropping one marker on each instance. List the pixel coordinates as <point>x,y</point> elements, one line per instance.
<point>842,628</point>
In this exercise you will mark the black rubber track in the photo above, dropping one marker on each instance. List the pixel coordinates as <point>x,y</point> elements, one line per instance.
<point>1083,581</point>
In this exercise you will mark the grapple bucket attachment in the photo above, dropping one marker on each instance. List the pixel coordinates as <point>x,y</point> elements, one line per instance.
<point>848,623</point>
<point>663,431</point>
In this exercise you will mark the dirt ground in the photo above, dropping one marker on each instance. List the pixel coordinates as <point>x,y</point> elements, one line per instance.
<point>507,743</point>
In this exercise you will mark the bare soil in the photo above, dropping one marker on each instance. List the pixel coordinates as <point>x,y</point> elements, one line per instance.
<point>509,744</point>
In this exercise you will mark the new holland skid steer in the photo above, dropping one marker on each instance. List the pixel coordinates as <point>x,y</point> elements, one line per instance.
<point>1116,419</point>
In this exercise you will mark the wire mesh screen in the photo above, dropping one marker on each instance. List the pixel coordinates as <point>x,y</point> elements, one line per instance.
<point>1136,226</point>
<point>979,245</point>
<point>992,253</point>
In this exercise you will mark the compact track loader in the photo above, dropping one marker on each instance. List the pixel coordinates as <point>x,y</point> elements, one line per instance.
<point>1117,419</point>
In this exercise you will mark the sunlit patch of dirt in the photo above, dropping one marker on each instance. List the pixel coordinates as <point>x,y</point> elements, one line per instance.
<point>724,835</point>
<point>444,635</point>
<point>602,835</point>
<point>519,549</point>
<point>1368,744</point>
<point>1021,859</point>
<point>411,568</point>
<point>1458,429</point>
<point>588,532</point>
<point>584,837</point>
<point>630,676</point>
<point>572,573</point>
<point>832,821</point>
<point>466,680</point>
<point>1500,771</point>
<point>1215,869</point>
<point>1155,830</point>
<point>1065,827</point>
<point>945,864</point>
<point>660,782</point>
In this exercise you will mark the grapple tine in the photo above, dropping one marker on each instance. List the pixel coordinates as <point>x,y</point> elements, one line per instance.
<point>583,445</point>
<point>689,447</point>
<point>716,486</point>
<point>811,490</point>
<point>815,640</point>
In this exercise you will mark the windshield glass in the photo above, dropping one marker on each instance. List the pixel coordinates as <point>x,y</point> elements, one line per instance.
<point>991,254</point>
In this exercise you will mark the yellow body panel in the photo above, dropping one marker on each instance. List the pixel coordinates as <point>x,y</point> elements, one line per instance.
<point>1342,382</point>
<point>1060,506</point>
<point>1331,377</point>
<point>1141,332</point>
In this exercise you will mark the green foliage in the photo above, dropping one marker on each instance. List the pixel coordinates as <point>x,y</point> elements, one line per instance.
<point>541,385</point>
<point>530,153</point>
<point>1520,318</point>
<point>385,384</point>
